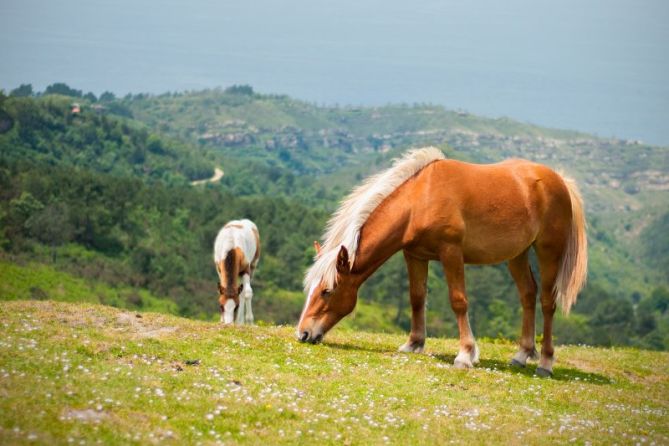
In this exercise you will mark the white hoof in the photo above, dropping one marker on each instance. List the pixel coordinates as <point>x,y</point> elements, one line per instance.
<point>411,347</point>
<point>467,359</point>
<point>475,354</point>
<point>463,361</point>
<point>463,364</point>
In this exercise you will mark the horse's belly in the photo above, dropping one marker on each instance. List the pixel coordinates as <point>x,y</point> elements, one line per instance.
<point>496,245</point>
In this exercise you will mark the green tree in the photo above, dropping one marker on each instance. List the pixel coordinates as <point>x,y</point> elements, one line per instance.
<point>245,90</point>
<point>659,299</point>
<point>107,96</point>
<point>62,88</point>
<point>613,321</point>
<point>23,90</point>
<point>51,226</point>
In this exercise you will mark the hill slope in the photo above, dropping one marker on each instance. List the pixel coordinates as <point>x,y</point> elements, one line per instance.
<point>81,372</point>
<point>103,194</point>
<point>625,183</point>
<point>44,130</point>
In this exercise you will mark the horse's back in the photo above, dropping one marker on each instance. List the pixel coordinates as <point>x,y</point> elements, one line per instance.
<point>495,211</point>
<point>241,234</point>
<point>510,184</point>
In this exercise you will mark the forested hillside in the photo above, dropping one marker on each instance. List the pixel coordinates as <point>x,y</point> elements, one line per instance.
<point>103,193</point>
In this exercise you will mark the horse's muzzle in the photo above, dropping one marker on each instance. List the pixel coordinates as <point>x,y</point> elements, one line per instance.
<point>307,336</point>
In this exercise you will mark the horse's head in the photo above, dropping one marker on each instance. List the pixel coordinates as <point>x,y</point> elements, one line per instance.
<point>325,307</point>
<point>228,299</point>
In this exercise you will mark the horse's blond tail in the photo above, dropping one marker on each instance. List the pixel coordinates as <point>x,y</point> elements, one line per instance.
<point>574,265</point>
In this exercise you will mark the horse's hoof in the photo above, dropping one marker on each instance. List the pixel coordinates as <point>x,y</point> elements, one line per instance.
<point>411,347</point>
<point>475,354</point>
<point>544,373</point>
<point>462,365</point>
<point>515,363</point>
<point>462,361</point>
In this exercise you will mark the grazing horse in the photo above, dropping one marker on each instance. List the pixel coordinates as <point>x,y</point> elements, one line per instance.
<point>236,254</point>
<point>432,208</point>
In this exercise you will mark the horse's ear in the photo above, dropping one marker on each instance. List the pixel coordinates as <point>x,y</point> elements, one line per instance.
<point>342,261</point>
<point>317,247</point>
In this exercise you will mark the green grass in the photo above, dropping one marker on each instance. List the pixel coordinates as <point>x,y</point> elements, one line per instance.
<point>84,372</point>
<point>38,281</point>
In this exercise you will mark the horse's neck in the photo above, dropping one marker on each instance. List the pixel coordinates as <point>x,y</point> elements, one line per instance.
<point>381,236</point>
<point>231,269</point>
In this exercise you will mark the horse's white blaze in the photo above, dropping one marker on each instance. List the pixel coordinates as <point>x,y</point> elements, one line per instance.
<point>229,311</point>
<point>306,305</point>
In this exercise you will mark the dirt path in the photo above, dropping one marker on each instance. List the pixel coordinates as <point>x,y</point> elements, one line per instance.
<point>218,174</point>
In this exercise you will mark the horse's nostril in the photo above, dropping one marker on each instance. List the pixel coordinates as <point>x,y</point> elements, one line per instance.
<point>317,339</point>
<point>305,336</point>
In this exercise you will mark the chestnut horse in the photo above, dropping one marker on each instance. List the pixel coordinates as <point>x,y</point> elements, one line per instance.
<point>236,254</point>
<point>432,208</point>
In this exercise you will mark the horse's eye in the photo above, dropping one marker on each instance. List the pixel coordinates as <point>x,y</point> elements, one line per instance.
<point>326,293</point>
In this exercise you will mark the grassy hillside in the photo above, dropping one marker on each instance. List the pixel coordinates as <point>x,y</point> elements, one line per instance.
<point>35,281</point>
<point>103,194</point>
<point>39,282</point>
<point>81,373</point>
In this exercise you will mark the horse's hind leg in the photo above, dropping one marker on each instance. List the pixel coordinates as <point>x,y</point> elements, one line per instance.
<point>454,269</point>
<point>519,268</point>
<point>549,256</point>
<point>417,293</point>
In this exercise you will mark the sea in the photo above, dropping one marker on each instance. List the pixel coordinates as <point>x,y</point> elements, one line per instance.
<point>598,66</point>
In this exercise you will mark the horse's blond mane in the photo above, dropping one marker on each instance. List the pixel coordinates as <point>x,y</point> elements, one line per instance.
<point>344,226</point>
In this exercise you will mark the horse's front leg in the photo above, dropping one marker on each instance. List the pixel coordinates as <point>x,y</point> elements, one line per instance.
<point>240,311</point>
<point>454,268</point>
<point>417,293</point>
<point>247,296</point>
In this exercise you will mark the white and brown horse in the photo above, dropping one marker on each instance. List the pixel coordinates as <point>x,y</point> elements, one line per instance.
<point>455,212</point>
<point>236,254</point>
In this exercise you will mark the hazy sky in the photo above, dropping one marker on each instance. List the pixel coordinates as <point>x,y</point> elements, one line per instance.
<point>600,66</point>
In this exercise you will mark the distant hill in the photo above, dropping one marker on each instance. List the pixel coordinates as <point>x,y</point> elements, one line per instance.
<point>67,131</point>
